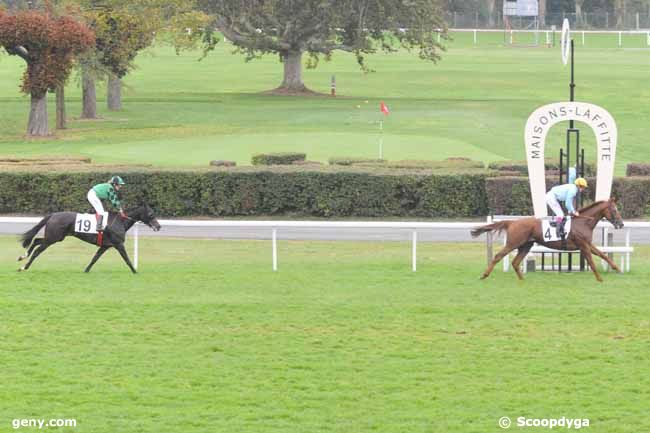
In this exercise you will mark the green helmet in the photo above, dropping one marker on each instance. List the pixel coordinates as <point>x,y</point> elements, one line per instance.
<point>116,180</point>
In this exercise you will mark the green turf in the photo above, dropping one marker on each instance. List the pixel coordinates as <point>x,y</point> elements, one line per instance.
<point>344,338</point>
<point>475,102</point>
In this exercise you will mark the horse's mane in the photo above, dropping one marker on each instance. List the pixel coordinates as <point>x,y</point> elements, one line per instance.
<point>594,204</point>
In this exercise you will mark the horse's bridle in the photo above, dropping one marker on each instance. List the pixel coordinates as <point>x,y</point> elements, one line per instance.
<point>614,220</point>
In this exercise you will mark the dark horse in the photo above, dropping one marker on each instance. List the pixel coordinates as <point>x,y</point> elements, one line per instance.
<point>61,224</point>
<point>523,233</point>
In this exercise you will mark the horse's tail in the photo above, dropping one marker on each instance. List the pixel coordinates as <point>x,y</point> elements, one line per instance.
<point>495,227</point>
<point>27,237</point>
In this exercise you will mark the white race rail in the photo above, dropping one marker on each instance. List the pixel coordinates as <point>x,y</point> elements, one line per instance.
<point>276,227</point>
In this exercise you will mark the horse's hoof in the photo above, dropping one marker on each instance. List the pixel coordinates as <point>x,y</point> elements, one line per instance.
<point>21,269</point>
<point>21,258</point>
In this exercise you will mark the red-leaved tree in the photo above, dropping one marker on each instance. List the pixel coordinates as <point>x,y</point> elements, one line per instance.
<point>48,46</point>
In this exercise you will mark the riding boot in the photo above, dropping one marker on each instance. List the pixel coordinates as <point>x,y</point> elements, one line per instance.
<point>560,228</point>
<point>100,229</point>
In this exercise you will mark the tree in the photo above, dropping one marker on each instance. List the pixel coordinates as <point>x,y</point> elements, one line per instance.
<point>123,29</point>
<point>119,37</point>
<point>48,46</point>
<point>291,28</point>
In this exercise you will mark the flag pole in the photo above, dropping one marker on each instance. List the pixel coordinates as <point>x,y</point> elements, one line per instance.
<point>381,139</point>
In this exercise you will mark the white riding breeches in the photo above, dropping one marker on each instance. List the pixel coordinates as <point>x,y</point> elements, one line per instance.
<point>95,202</point>
<point>552,202</point>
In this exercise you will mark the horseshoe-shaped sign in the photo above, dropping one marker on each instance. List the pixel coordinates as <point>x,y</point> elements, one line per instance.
<point>537,127</point>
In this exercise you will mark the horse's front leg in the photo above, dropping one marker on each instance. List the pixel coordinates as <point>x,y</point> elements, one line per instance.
<point>605,257</point>
<point>98,254</point>
<point>120,248</point>
<point>586,252</point>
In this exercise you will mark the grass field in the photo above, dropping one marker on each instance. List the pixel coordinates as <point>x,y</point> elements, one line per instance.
<point>180,112</point>
<point>344,338</point>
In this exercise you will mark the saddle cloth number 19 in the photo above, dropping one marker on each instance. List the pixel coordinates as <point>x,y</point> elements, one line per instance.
<point>86,223</point>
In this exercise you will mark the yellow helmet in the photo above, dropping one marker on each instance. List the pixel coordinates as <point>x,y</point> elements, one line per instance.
<point>581,182</point>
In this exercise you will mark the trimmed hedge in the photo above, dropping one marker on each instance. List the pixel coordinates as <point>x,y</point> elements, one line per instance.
<point>455,164</point>
<point>447,164</point>
<point>299,191</point>
<point>237,192</point>
<point>45,160</point>
<point>511,195</point>
<point>223,163</point>
<point>286,158</point>
<point>521,167</point>
<point>638,169</point>
<point>351,160</point>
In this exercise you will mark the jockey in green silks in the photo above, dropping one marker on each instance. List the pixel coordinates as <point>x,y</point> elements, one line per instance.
<point>106,191</point>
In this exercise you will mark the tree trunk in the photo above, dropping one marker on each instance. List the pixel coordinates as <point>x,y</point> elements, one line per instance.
<point>37,125</point>
<point>619,10</point>
<point>579,11</point>
<point>60,107</point>
<point>293,72</point>
<point>492,8</point>
<point>114,93</point>
<point>542,13</point>
<point>89,97</point>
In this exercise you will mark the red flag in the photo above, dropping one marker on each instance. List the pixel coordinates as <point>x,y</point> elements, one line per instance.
<point>384,108</point>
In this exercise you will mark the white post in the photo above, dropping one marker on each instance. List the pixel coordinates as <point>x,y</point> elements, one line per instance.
<point>620,39</point>
<point>475,37</point>
<point>548,38</point>
<point>275,249</point>
<point>512,36</point>
<point>136,236</point>
<point>489,243</point>
<point>414,254</point>
<point>648,36</point>
<point>506,259</point>
<point>438,37</point>
<point>381,139</point>
<point>627,255</point>
<point>583,37</point>
<point>603,263</point>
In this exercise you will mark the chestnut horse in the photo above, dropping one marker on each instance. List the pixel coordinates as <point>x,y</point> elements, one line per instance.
<point>523,233</point>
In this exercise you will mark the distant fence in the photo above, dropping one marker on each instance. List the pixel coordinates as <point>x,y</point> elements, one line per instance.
<point>587,38</point>
<point>631,20</point>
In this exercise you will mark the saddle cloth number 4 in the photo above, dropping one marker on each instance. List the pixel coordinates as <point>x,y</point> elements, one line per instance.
<point>87,223</point>
<point>550,232</point>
